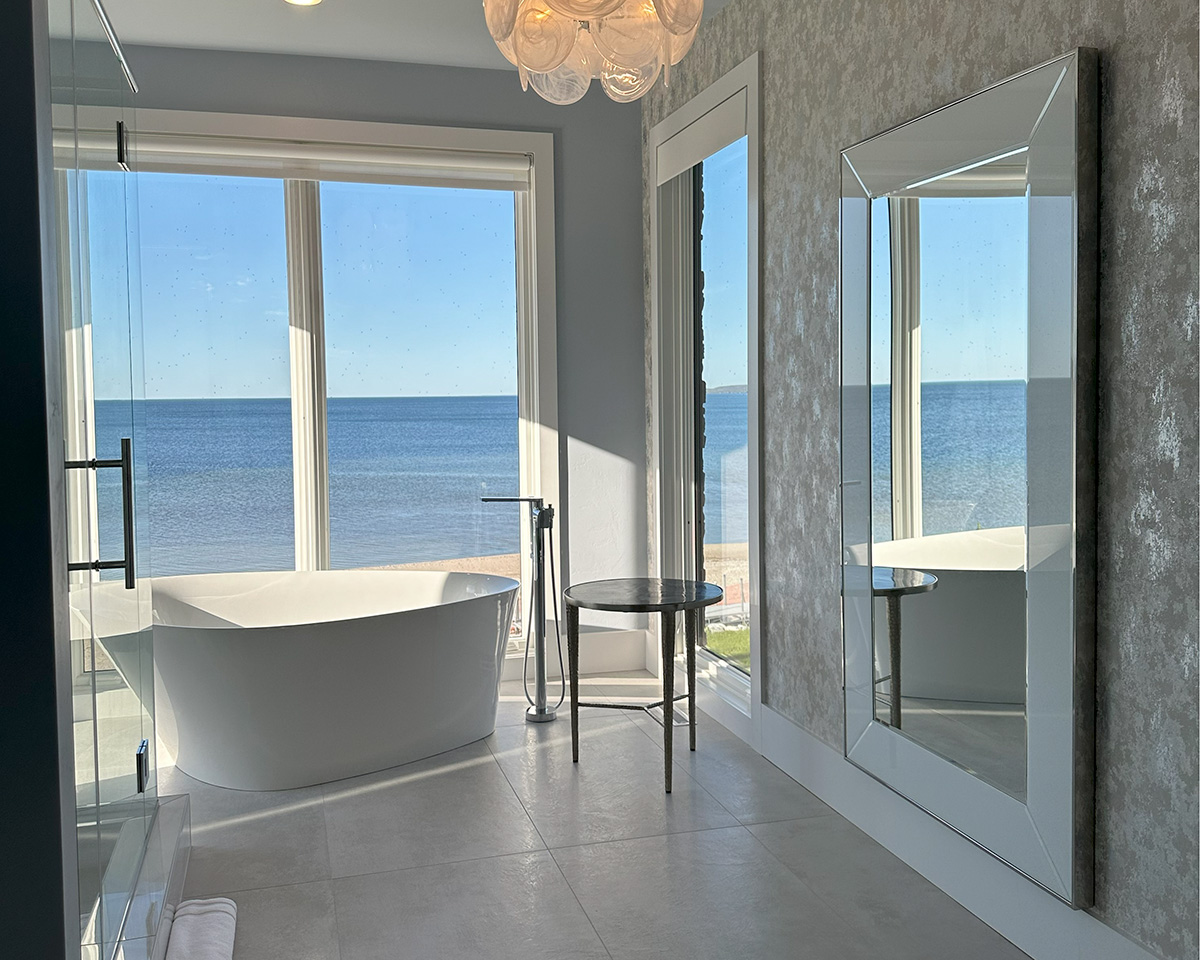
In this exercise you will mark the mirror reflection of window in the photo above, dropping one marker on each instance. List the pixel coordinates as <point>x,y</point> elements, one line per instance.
<point>974,332</point>
<point>964,362</point>
<point>949,346</point>
<point>881,372</point>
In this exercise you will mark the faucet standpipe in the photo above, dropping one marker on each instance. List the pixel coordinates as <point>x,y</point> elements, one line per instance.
<point>541,520</point>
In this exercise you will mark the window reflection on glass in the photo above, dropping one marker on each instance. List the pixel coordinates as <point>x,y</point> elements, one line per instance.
<point>421,361</point>
<point>722,334</point>
<point>217,409</point>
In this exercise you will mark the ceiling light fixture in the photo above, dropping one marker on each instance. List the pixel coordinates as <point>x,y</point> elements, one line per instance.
<point>560,46</point>
<point>303,3</point>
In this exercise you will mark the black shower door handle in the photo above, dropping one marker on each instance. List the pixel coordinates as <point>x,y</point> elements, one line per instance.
<point>125,464</point>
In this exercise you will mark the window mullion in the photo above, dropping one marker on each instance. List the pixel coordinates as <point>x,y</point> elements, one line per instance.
<point>907,521</point>
<point>306,335</point>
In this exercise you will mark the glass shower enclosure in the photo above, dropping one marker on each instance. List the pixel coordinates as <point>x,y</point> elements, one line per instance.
<point>102,393</point>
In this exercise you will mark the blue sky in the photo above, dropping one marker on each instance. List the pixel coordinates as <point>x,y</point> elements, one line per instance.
<point>723,255</point>
<point>420,288</point>
<point>974,264</point>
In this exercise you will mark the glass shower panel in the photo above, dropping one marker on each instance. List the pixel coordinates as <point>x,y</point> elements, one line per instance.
<point>121,628</point>
<point>111,649</point>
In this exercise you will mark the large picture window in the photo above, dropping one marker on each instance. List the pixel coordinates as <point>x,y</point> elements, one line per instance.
<point>421,375</point>
<point>349,341</point>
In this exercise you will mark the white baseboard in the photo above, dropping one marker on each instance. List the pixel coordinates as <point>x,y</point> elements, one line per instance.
<point>1037,922</point>
<point>727,714</point>
<point>601,650</point>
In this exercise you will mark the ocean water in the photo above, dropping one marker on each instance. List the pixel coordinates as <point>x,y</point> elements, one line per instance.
<point>972,456</point>
<point>405,478</point>
<point>726,503</point>
<point>406,475</point>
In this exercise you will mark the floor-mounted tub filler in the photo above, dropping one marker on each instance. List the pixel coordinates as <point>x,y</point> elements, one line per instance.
<point>267,681</point>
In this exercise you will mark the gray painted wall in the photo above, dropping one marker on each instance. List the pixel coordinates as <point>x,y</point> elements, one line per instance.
<point>599,259</point>
<point>834,73</point>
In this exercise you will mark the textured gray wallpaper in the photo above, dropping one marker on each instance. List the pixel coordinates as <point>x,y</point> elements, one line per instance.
<point>835,72</point>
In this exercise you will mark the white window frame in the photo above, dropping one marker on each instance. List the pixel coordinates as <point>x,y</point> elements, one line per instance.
<point>304,151</point>
<point>720,115</point>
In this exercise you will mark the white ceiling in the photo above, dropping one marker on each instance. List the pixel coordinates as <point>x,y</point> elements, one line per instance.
<point>449,32</point>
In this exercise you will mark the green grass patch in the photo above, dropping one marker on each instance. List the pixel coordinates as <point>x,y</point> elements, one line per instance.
<point>732,645</point>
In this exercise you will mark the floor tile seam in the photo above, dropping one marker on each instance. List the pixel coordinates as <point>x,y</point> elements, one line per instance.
<point>647,836</point>
<point>225,892</point>
<point>337,933</point>
<point>583,909</point>
<point>678,763</point>
<point>329,864</point>
<point>771,820</point>
<point>831,903</point>
<point>508,780</point>
<point>333,878</point>
<point>698,785</point>
<point>440,863</point>
<point>680,760</point>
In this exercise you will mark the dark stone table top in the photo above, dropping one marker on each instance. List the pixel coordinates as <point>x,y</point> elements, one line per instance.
<point>900,581</point>
<point>643,595</point>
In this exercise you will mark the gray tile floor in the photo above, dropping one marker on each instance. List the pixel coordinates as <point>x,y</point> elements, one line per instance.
<point>504,848</point>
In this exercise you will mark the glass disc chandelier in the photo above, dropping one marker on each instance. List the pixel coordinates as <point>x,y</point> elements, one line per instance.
<point>560,46</point>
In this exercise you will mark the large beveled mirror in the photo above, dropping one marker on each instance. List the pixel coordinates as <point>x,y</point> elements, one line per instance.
<point>968,493</point>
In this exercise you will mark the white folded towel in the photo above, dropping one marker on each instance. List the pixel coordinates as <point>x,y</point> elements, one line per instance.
<point>203,930</point>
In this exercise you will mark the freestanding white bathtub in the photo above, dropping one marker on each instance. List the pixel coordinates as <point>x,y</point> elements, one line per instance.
<point>267,681</point>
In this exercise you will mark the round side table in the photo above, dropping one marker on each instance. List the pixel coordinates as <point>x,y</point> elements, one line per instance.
<point>642,595</point>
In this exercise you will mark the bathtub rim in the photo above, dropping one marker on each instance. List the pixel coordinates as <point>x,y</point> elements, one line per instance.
<point>509,584</point>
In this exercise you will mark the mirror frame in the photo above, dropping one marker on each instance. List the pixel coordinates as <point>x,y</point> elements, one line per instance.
<point>1049,836</point>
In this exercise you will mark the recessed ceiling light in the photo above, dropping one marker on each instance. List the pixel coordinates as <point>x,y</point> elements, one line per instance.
<point>304,3</point>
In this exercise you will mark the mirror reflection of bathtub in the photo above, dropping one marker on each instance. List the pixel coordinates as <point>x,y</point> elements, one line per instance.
<point>268,681</point>
<point>963,650</point>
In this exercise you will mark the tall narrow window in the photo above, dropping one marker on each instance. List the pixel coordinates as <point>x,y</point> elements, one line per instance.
<point>722,355</point>
<point>421,367</point>
<point>704,164</point>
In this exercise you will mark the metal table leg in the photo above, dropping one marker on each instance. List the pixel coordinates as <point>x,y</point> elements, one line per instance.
<point>573,670</point>
<point>893,621</point>
<point>668,680</point>
<point>692,621</point>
